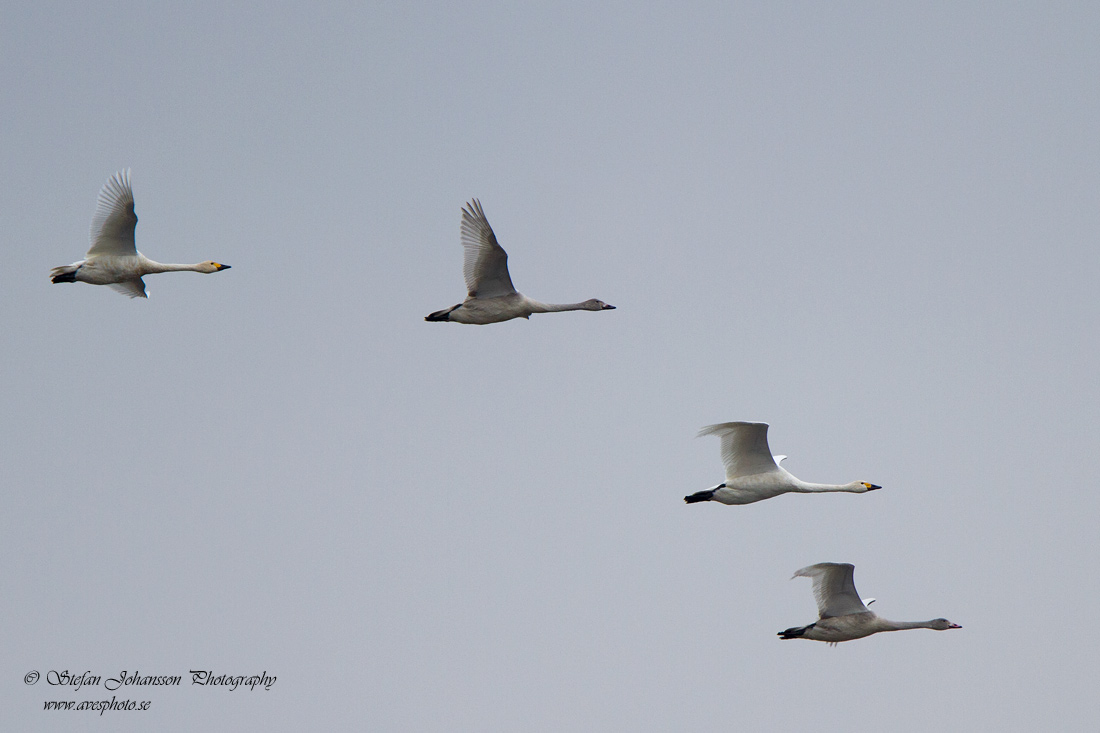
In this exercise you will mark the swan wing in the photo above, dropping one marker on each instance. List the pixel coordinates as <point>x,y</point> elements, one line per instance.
<point>745,450</point>
<point>834,589</point>
<point>132,288</point>
<point>114,219</point>
<point>486,263</point>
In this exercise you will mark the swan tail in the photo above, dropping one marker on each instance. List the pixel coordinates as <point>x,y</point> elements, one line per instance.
<point>64,274</point>
<point>443,315</point>
<point>699,496</point>
<point>795,632</point>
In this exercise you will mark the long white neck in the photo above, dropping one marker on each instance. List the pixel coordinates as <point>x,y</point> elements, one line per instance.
<point>808,488</point>
<point>152,267</point>
<point>903,625</point>
<point>537,307</point>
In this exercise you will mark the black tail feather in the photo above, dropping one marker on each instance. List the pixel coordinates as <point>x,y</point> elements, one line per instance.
<point>443,315</point>
<point>794,632</point>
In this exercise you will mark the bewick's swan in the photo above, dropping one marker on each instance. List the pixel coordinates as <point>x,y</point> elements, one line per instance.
<point>491,298</point>
<point>752,473</point>
<point>113,260</point>
<point>843,615</point>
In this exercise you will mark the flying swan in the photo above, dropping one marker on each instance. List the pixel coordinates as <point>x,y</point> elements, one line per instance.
<point>753,473</point>
<point>491,298</point>
<point>843,615</point>
<point>113,260</point>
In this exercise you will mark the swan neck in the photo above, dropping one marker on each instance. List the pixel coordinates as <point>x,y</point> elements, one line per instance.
<point>537,307</point>
<point>903,625</point>
<point>152,267</point>
<point>808,487</point>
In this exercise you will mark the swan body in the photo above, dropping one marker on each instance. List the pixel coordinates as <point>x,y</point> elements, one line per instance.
<point>753,473</point>
<point>491,298</point>
<point>843,616</point>
<point>113,259</point>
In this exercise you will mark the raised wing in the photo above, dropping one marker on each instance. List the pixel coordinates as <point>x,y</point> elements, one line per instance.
<point>745,450</point>
<point>131,288</point>
<point>114,219</point>
<point>834,589</point>
<point>486,263</point>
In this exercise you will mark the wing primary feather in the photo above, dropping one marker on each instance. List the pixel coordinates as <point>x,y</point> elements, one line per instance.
<point>131,288</point>
<point>485,263</point>
<point>112,229</point>
<point>745,450</point>
<point>834,588</point>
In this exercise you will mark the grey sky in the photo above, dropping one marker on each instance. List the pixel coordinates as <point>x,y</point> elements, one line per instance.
<point>872,227</point>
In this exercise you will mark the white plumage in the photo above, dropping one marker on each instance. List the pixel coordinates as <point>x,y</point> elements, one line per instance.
<point>491,297</point>
<point>753,473</point>
<point>113,259</point>
<point>842,615</point>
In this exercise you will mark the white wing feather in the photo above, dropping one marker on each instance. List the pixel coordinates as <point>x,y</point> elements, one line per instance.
<point>834,589</point>
<point>133,288</point>
<point>485,265</point>
<point>745,450</point>
<point>114,220</point>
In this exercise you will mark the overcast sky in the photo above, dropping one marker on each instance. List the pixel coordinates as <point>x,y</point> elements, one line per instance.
<point>872,227</point>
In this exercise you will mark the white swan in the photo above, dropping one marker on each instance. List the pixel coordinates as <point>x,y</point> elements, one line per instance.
<point>843,615</point>
<point>113,260</point>
<point>752,473</point>
<point>491,297</point>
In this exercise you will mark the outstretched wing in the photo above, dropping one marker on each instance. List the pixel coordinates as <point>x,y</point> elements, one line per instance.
<point>486,263</point>
<point>114,219</point>
<point>745,450</point>
<point>834,589</point>
<point>131,288</point>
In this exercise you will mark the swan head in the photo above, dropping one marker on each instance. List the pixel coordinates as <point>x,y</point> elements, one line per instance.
<point>211,266</point>
<point>596,305</point>
<point>863,487</point>
<point>942,624</point>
